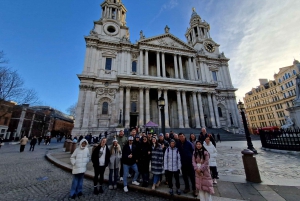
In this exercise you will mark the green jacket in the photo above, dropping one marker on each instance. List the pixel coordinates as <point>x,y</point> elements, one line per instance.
<point>122,141</point>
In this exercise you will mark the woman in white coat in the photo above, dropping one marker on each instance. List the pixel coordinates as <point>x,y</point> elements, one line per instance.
<point>213,159</point>
<point>79,160</point>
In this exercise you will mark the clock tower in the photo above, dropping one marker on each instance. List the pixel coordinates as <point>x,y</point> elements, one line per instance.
<point>198,35</point>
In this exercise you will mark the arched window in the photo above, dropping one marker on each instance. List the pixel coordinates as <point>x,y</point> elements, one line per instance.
<point>294,72</point>
<point>220,112</point>
<point>105,108</point>
<point>279,80</point>
<point>133,66</point>
<point>133,106</point>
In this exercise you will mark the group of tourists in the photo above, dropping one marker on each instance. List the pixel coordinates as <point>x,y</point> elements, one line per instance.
<point>167,155</point>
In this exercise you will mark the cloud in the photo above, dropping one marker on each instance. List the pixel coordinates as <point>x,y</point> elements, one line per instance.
<point>167,6</point>
<point>259,37</point>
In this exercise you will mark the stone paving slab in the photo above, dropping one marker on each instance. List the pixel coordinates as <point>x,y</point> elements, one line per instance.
<point>232,185</point>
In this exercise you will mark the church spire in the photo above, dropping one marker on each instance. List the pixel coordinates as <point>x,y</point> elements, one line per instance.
<point>115,10</point>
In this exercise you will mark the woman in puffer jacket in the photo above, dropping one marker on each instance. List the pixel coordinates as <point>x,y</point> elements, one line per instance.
<point>114,164</point>
<point>212,158</point>
<point>203,178</point>
<point>79,160</point>
<point>172,165</point>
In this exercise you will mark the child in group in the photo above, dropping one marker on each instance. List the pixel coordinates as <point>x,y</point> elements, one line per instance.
<point>79,160</point>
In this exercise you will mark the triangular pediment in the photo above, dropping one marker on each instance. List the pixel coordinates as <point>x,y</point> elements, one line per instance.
<point>167,40</point>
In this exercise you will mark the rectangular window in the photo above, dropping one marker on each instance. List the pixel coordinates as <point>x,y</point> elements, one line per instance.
<point>214,74</point>
<point>282,88</point>
<point>108,63</point>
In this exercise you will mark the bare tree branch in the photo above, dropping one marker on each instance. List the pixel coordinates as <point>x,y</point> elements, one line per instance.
<point>72,110</point>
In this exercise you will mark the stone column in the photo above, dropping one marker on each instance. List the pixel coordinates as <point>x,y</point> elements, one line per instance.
<point>211,111</point>
<point>175,66</point>
<point>141,110</point>
<point>185,112</point>
<point>203,72</point>
<point>95,120</point>
<point>228,76</point>
<point>163,64</point>
<point>158,64</point>
<point>215,104</point>
<point>93,115</point>
<point>78,122</point>
<point>87,104</point>
<point>86,59</point>
<point>196,110</point>
<point>159,114</point>
<point>179,107</point>
<point>195,69</point>
<point>201,110</point>
<point>147,105</point>
<point>121,103</point>
<point>127,107</point>
<point>21,121</point>
<point>141,62</point>
<point>166,108</point>
<point>180,67</point>
<point>128,63</point>
<point>146,63</point>
<point>191,71</point>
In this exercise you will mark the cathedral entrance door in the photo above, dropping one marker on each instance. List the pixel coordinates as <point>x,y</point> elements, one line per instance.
<point>133,119</point>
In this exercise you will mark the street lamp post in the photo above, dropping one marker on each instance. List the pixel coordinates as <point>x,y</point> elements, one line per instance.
<point>241,107</point>
<point>161,104</point>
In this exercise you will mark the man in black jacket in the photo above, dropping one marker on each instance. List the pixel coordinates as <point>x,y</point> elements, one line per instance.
<point>129,159</point>
<point>32,143</point>
<point>100,160</point>
<point>203,135</point>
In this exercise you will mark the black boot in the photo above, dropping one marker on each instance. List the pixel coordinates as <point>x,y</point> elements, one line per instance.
<point>100,189</point>
<point>96,192</point>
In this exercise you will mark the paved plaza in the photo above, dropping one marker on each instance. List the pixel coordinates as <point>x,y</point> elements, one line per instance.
<point>29,176</point>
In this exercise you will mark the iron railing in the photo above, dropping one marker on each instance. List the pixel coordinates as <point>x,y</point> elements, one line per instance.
<point>282,139</point>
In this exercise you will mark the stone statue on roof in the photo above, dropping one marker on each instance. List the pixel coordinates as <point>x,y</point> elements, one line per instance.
<point>167,29</point>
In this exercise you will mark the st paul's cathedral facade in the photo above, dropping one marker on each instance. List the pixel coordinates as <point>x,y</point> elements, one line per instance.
<point>121,81</point>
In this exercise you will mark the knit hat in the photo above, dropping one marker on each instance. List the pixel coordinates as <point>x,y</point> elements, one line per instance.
<point>161,134</point>
<point>172,141</point>
<point>115,140</point>
<point>137,136</point>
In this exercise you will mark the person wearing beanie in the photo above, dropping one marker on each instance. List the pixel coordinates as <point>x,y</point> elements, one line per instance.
<point>114,164</point>
<point>136,140</point>
<point>79,160</point>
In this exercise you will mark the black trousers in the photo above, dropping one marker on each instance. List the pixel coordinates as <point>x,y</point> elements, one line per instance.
<point>22,147</point>
<point>170,175</point>
<point>99,171</point>
<point>213,172</point>
<point>31,147</point>
<point>188,172</point>
<point>121,169</point>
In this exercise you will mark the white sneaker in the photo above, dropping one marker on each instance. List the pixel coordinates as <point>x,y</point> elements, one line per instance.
<point>215,181</point>
<point>115,186</point>
<point>136,183</point>
<point>125,189</point>
<point>129,175</point>
<point>121,178</point>
<point>110,187</point>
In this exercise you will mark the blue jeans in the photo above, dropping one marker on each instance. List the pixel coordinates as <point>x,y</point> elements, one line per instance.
<point>126,171</point>
<point>77,184</point>
<point>156,178</point>
<point>115,172</point>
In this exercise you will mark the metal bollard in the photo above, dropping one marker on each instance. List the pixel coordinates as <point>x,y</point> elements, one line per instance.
<point>73,147</point>
<point>250,166</point>
<point>68,146</point>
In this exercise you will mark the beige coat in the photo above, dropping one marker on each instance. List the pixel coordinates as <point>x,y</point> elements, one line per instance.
<point>24,141</point>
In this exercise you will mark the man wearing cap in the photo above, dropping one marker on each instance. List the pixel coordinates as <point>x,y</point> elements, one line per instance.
<point>122,140</point>
<point>129,159</point>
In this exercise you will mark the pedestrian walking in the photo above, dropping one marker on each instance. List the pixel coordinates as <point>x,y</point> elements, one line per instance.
<point>203,177</point>
<point>100,159</point>
<point>144,157</point>
<point>212,159</point>
<point>114,164</point>
<point>172,166</point>
<point>157,161</point>
<point>218,137</point>
<point>23,142</point>
<point>33,143</point>
<point>129,157</point>
<point>186,152</point>
<point>122,140</point>
<point>1,141</point>
<point>40,139</point>
<point>79,160</point>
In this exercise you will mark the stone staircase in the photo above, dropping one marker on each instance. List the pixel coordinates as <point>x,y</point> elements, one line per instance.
<point>225,135</point>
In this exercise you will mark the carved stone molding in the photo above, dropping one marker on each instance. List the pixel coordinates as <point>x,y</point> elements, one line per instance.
<point>86,87</point>
<point>106,92</point>
<point>134,96</point>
